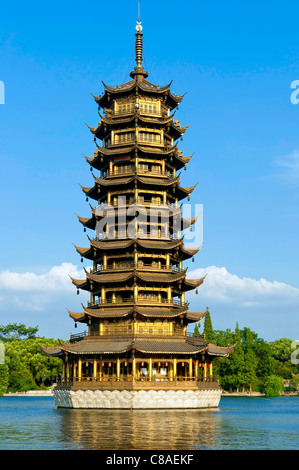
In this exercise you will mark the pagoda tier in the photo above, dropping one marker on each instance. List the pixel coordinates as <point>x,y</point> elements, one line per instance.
<point>168,101</point>
<point>172,250</point>
<point>137,185</point>
<point>107,126</point>
<point>168,346</point>
<point>120,211</point>
<point>130,312</point>
<point>103,156</point>
<point>137,315</point>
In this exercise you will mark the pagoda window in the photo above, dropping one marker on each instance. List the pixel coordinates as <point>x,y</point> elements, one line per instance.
<point>122,169</point>
<point>124,108</point>
<point>143,167</point>
<point>121,200</point>
<point>123,137</point>
<point>156,169</point>
<point>149,107</point>
<point>150,137</point>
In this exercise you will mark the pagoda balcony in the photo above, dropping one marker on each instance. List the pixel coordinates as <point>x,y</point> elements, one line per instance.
<point>139,266</point>
<point>124,333</point>
<point>128,382</point>
<point>154,235</point>
<point>129,110</point>
<point>140,139</point>
<point>138,200</point>
<point>137,171</point>
<point>138,301</point>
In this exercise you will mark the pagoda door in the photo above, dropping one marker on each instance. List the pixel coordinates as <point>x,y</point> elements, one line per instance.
<point>125,370</point>
<point>182,369</point>
<point>87,368</point>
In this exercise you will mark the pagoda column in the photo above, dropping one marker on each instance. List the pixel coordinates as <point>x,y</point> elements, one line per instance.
<point>174,367</point>
<point>134,367</point>
<point>211,369</point>
<point>74,370</point>
<point>190,367</point>
<point>117,368</point>
<point>95,368</point>
<point>67,369</point>
<point>167,261</point>
<point>79,369</point>
<point>150,368</point>
<point>171,371</point>
<point>205,371</point>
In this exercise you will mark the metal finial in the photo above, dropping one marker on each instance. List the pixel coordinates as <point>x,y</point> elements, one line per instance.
<point>139,72</point>
<point>139,39</point>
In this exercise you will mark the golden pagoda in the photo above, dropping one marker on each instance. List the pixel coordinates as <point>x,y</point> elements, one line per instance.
<point>137,352</point>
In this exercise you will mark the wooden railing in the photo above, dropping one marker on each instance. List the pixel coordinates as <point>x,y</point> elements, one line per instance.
<point>133,170</point>
<point>139,266</point>
<point>140,300</point>
<point>138,200</point>
<point>129,382</point>
<point>129,334</point>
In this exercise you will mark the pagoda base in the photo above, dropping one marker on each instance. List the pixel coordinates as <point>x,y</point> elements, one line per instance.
<point>138,399</point>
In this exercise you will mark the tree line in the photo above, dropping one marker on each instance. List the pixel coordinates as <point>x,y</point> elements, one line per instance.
<point>254,365</point>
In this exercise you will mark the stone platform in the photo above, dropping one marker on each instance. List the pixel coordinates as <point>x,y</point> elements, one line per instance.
<point>138,399</point>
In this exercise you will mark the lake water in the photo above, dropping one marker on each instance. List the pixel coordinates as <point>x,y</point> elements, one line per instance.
<point>33,423</point>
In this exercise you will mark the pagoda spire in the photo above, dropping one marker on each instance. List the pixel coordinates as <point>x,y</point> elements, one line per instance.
<point>139,71</point>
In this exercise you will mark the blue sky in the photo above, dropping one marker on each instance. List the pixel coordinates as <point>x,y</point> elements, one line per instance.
<point>236,61</point>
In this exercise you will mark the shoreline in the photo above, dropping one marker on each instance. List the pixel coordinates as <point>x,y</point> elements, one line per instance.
<point>49,393</point>
<point>30,393</point>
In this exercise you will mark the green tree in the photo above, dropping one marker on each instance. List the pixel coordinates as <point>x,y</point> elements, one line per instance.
<point>27,355</point>
<point>4,378</point>
<point>249,369</point>
<point>196,332</point>
<point>273,386</point>
<point>19,331</point>
<point>208,328</point>
<point>266,364</point>
<point>232,371</point>
<point>21,381</point>
<point>237,334</point>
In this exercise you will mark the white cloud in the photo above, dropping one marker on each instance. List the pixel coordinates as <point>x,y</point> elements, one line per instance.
<point>222,286</point>
<point>22,294</point>
<point>270,308</point>
<point>56,279</point>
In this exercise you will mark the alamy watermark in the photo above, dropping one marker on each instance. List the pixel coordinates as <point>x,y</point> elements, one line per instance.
<point>2,92</point>
<point>295,95</point>
<point>149,221</point>
<point>295,354</point>
<point>2,353</point>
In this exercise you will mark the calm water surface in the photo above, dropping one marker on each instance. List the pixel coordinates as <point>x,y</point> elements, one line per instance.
<point>238,423</point>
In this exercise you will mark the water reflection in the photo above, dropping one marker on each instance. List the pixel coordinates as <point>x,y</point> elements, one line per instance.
<point>139,429</point>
